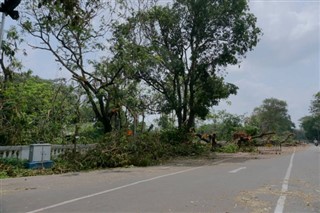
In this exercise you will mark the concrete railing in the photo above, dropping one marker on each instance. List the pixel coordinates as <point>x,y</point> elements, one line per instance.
<point>57,150</point>
<point>23,152</point>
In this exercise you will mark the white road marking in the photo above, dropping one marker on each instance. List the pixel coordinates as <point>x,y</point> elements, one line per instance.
<point>282,198</point>
<point>120,187</point>
<point>237,170</point>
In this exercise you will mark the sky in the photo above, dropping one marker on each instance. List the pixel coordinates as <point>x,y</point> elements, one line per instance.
<point>284,65</point>
<point>286,62</point>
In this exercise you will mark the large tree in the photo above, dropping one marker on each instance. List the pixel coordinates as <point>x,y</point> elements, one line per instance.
<point>180,48</point>
<point>315,105</point>
<point>272,115</point>
<point>311,123</point>
<point>75,33</point>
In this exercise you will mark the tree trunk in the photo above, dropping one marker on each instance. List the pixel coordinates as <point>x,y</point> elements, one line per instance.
<point>142,123</point>
<point>179,116</point>
<point>106,122</point>
<point>101,115</point>
<point>191,120</point>
<point>135,123</point>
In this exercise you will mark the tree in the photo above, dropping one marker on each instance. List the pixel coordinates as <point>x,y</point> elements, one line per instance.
<point>33,110</point>
<point>165,122</point>
<point>179,49</point>
<point>272,115</point>
<point>73,31</point>
<point>311,127</point>
<point>311,123</point>
<point>8,62</point>
<point>223,124</point>
<point>315,105</point>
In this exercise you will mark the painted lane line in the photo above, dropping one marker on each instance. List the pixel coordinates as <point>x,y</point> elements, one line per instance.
<point>237,170</point>
<point>282,198</point>
<point>118,188</point>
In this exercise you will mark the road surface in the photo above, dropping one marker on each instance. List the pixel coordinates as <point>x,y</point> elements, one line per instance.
<point>283,183</point>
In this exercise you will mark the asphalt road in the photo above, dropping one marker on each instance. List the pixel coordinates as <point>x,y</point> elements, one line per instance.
<point>286,183</point>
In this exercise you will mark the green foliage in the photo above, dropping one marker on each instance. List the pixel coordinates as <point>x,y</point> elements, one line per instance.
<point>250,130</point>
<point>311,127</point>
<point>33,110</point>
<point>229,148</point>
<point>223,124</point>
<point>146,149</point>
<point>90,133</point>
<point>273,116</point>
<point>13,162</point>
<point>10,64</point>
<point>250,148</point>
<point>13,167</point>
<point>311,123</point>
<point>73,32</point>
<point>165,122</point>
<point>315,105</point>
<point>3,175</point>
<point>118,150</point>
<point>189,149</point>
<point>175,136</point>
<point>181,53</point>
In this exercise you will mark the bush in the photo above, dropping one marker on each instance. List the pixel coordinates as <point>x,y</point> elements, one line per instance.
<point>229,148</point>
<point>14,162</point>
<point>175,136</point>
<point>3,174</point>
<point>248,149</point>
<point>12,167</point>
<point>187,149</point>
<point>118,150</point>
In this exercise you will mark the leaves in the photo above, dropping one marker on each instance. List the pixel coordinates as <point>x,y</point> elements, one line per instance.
<point>34,110</point>
<point>178,49</point>
<point>311,123</point>
<point>272,115</point>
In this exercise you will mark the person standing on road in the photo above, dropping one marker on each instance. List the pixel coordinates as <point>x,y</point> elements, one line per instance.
<point>315,142</point>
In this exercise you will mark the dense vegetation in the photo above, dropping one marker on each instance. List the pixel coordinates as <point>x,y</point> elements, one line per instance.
<point>311,123</point>
<point>153,59</point>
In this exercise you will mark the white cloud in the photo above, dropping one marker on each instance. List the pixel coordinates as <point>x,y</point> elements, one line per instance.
<point>285,63</point>
<point>291,32</point>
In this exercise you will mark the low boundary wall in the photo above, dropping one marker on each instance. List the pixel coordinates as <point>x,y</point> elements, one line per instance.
<point>23,152</point>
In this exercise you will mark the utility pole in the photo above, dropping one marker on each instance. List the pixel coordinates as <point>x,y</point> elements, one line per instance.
<point>7,8</point>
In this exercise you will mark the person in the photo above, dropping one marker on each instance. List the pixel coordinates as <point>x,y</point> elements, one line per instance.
<point>315,142</point>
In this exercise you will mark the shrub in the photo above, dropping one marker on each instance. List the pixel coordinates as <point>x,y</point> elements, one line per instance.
<point>175,136</point>
<point>118,150</point>
<point>14,162</point>
<point>229,148</point>
<point>13,167</point>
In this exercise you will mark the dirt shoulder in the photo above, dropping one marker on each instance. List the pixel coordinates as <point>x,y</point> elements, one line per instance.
<point>212,158</point>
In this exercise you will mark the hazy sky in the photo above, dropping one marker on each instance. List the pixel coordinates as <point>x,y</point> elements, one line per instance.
<point>284,65</point>
<point>286,62</point>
